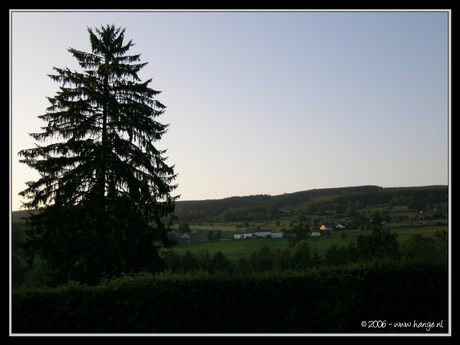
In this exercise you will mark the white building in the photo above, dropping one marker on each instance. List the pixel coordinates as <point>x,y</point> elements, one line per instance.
<point>257,233</point>
<point>277,234</point>
<point>238,235</point>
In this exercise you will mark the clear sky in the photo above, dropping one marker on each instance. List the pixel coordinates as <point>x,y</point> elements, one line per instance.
<point>264,102</point>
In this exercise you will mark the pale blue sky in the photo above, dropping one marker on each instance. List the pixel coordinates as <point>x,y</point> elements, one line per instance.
<point>265,102</point>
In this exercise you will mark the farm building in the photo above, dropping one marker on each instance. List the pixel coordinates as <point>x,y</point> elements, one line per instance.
<point>277,234</point>
<point>238,235</point>
<point>257,233</point>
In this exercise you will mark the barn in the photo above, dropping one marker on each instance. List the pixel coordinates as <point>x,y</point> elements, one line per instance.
<point>257,233</point>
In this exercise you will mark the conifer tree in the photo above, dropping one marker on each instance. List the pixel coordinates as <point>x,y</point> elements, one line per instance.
<point>103,201</point>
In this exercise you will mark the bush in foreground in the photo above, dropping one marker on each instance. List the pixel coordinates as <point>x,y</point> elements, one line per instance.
<point>332,299</point>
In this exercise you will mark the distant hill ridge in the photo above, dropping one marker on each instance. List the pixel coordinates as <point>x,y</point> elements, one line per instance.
<point>197,209</point>
<point>207,209</point>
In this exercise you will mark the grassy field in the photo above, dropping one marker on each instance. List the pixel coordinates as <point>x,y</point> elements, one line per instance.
<point>227,245</point>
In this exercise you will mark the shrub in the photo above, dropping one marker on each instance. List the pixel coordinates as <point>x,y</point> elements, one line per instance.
<point>283,259</point>
<point>301,255</point>
<point>380,243</point>
<point>220,263</point>
<point>265,259</point>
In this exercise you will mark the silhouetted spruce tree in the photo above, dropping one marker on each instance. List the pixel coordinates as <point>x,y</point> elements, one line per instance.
<point>104,193</point>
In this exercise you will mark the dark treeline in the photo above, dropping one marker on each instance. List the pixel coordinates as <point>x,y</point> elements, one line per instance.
<point>381,245</point>
<point>201,210</point>
<point>255,207</point>
<point>206,209</point>
<point>398,196</point>
<point>265,207</point>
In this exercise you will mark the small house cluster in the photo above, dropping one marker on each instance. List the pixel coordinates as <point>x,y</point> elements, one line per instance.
<point>317,233</point>
<point>257,233</point>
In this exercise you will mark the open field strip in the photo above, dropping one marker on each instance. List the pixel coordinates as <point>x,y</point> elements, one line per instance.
<point>227,245</point>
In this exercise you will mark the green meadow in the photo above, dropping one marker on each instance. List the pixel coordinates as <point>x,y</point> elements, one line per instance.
<point>236,248</point>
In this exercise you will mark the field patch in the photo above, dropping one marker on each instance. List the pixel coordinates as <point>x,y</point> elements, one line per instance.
<point>236,248</point>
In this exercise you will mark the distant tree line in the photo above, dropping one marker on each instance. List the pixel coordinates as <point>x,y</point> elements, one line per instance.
<point>377,245</point>
<point>380,245</point>
<point>344,201</point>
<point>216,207</point>
<point>414,199</point>
<point>207,209</point>
<point>419,197</point>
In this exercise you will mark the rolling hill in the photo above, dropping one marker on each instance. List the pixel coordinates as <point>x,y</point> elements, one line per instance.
<point>309,202</point>
<point>314,201</point>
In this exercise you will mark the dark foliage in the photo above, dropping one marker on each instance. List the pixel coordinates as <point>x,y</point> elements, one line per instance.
<point>254,207</point>
<point>280,291</point>
<point>323,300</point>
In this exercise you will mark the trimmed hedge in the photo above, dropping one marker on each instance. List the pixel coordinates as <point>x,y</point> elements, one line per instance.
<point>316,301</point>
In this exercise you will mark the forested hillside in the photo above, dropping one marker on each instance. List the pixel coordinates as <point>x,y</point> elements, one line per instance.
<point>319,202</point>
<point>339,201</point>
